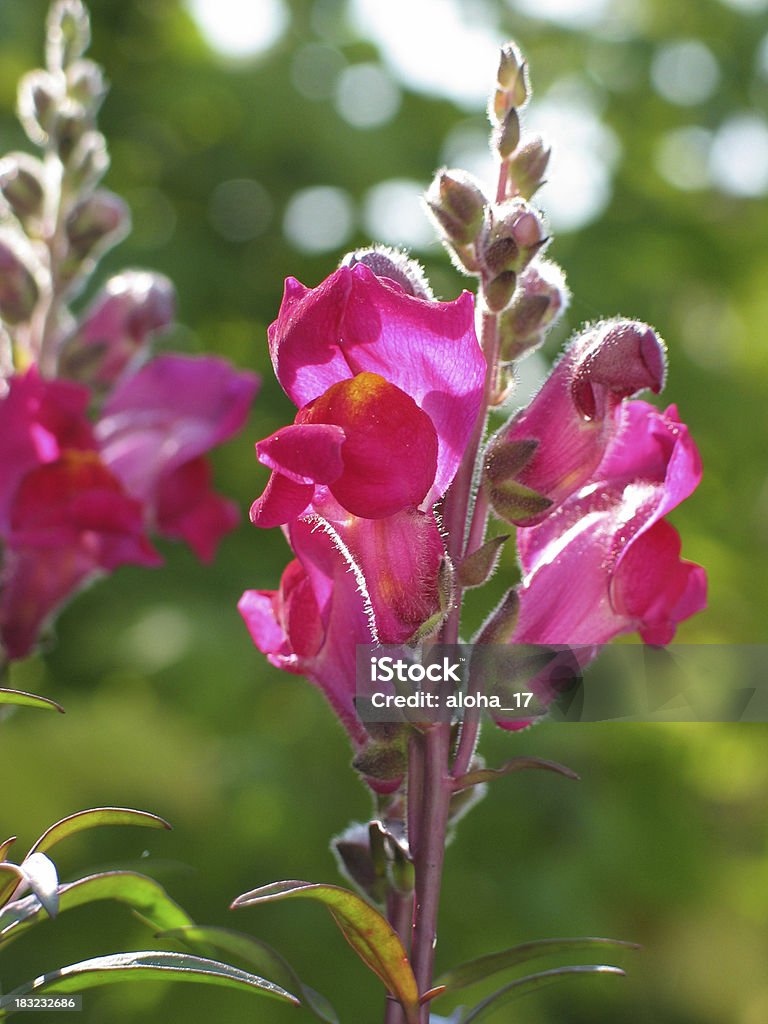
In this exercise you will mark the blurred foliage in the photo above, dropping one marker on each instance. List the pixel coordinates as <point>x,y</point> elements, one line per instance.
<point>665,841</point>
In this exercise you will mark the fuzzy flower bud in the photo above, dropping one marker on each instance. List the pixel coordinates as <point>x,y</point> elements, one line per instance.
<point>39,97</point>
<point>68,35</point>
<point>512,237</point>
<point>97,223</point>
<point>457,202</point>
<point>395,265</point>
<point>86,85</point>
<point>21,182</point>
<point>513,85</point>
<point>129,309</point>
<point>507,136</point>
<point>541,298</point>
<point>18,288</point>
<point>528,165</point>
<point>88,162</point>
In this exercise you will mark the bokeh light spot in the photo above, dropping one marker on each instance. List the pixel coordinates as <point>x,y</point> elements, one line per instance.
<point>319,219</point>
<point>739,157</point>
<point>366,96</point>
<point>685,72</point>
<point>393,214</point>
<point>239,29</point>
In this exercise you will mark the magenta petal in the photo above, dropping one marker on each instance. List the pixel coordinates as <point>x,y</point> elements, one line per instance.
<point>355,322</point>
<point>306,453</point>
<point>188,509</point>
<point>605,562</point>
<point>572,419</point>
<point>259,609</point>
<point>399,559</point>
<point>173,410</point>
<point>282,502</point>
<point>38,420</point>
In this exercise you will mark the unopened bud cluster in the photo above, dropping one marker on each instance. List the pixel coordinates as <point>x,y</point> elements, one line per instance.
<point>58,222</point>
<point>500,240</point>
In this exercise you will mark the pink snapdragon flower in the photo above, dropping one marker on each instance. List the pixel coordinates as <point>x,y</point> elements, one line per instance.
<point>607,561</point>
<point>563,434</point>
<point>389,386</point>
<point>382,379</point>
<point>77,500</point>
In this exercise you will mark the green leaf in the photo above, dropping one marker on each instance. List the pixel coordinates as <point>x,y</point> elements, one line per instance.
<point>485,966</point>
<point>10,876</point>
<point>516,764</point>
<point>368,933</point>
<point>143,895</point>
<point>259,956</point>
<point>28,700</point>
<point>524,986</point>
<point>93,818</point>
<point>5,847</point>
<point>144,966</point>
<point>478,567</point>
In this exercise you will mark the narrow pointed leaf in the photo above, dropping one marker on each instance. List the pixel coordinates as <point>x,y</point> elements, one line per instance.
<point>144,966</point>
<point>10,876</point>
<point>478,567</point>
<point>5,847</point>
<point>486,966</point>
<point>146,897</point>
<point>40,874</point>
<point>516,764</point>
<point>259,957</point>
<point>524,986</point>
<point>28,700</point>
<point>370,935</point>
<point>93,818</point>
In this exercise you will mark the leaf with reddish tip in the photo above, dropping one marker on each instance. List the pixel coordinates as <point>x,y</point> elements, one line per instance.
<point>28,700</point>
<point>146,897</point>
<point>531,983</point>
<point>93,818</point>
<point>478,567</point>
<point>486,966</point>
<point>10,876</point>
<point>144,966</point>
<point>368,933</point>
<point>5,847</point>
<point>260,957</point>
<point>516,764</point>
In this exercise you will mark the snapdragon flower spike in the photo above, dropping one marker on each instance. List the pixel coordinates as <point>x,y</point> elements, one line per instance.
<point>552,447</point>
<point>607,562</point>
<point>64,516</point>
<point>126,313</point>
<point>153,431</point>
<point>388,387</point>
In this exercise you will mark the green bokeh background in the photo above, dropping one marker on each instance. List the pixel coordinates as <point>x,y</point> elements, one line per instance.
<point>169,707</point>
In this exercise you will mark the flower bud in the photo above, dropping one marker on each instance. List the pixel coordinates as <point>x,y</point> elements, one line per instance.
<point>507,135</point>
<point>395,265</point>
<point>18,289</point>
<point>68,34</point>
<point>21,183</point>
<point>513,85</point>
<point>129,309</point>
<point>67,129</point>
<point>86,85</point>
<point>512,237</point>
<point>527,167</point>
<point>457,202</point>
<point>88,162</point>
<point>477,568</point>
<point>356,862</point>
<point>39,97</point>
<point>97,223</point>
<point>541,297</point>
<point>499,290</point>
